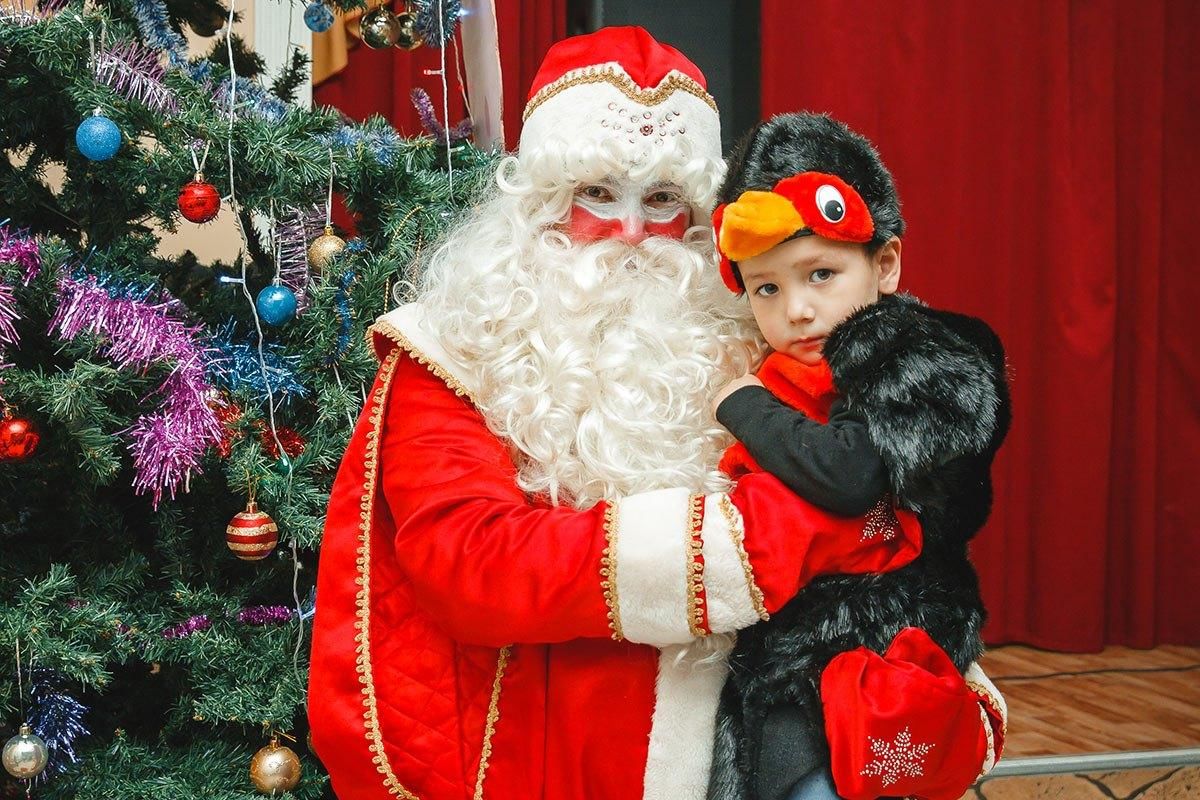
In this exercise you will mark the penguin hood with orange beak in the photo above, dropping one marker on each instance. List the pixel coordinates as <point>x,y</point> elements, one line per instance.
<point>799,175</point>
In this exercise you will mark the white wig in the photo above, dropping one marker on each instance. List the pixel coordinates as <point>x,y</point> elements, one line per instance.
<point>597,362</point>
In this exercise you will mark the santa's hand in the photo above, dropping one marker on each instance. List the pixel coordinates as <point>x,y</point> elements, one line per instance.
<point>907,723</point>
<point>733,386</point>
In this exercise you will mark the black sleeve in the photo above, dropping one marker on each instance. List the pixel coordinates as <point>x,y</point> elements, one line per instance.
<point>834,466</point>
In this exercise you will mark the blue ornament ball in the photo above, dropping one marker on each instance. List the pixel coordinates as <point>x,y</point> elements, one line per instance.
<point>318,17</point>
<point>98,138</point>
<point>276,304</point>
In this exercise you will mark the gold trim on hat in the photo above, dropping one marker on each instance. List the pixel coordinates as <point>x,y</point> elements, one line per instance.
<point>675,81</point>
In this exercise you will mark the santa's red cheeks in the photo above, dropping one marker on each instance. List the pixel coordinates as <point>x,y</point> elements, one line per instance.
<point>627,213</point>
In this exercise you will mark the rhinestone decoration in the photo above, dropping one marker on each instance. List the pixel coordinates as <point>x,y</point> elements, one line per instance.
<point>881,520</point>
<point>896,759</point>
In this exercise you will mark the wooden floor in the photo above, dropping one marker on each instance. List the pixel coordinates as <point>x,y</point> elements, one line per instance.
<point>1119,699</point>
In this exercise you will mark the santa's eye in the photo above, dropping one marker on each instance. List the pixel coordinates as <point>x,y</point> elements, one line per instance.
<point>596,192</point>
<point>830,203</point>
<point>662,198</point>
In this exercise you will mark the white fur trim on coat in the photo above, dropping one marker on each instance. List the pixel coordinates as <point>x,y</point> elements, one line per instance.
<point>408,321</point>
<point>726,582</point>
<point>652,530</point>
<point>978,680</point>
<point>681,737</point>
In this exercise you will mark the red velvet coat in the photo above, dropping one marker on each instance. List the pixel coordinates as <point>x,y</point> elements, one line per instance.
<point>471,643</point>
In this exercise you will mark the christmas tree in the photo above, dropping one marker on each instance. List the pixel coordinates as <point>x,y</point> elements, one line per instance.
<point>152,645</point>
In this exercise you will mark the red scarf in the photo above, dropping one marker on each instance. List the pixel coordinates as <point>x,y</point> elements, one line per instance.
<point>808,389</point>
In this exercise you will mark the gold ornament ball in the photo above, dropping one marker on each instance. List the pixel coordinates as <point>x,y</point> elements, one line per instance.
<point>275,768</point>
<point>324,249</point>
<point>379,28</point>
<point>410,38</point>
<point>25,755</point>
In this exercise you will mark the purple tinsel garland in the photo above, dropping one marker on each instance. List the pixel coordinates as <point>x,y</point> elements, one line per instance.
<point>8,333</point>
<point>265,615</point>
<point>300,227</point>
<point>429,120</point>
<point>136,73</point>
<point>20,248</point>
<point>141,330</point>
<point>199,622</point>
<point>8,315</point>
<point>18,13</point>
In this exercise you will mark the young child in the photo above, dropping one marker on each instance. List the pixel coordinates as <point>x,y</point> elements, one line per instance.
<point>870,402</point>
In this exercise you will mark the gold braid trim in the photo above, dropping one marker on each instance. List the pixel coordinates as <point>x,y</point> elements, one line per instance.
<point>607,73</point>
<point>492,716</point>
<point>362,601</point>
<point>991,744</point>
<point>986,695</point>
<point>608,572</point>
<point>733,520</point>
<point>390,331</point>
<point>695,567</point>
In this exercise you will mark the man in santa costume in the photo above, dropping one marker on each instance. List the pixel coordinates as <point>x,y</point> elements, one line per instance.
<point>532,570</point>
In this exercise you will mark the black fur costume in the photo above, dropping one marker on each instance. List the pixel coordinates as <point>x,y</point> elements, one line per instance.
<point>931,387</point>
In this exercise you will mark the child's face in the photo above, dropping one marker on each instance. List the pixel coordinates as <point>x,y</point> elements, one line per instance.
<point>800,289</point>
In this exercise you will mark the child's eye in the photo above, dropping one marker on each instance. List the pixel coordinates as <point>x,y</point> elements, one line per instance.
<point>821,275</point>
<point>766,290</point>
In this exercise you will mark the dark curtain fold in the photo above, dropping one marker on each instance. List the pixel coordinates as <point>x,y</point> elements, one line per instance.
<point>1046,154</point>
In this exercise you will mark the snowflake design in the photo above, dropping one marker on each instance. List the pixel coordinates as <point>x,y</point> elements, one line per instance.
<point>881,520</point>
<point>896,759</point>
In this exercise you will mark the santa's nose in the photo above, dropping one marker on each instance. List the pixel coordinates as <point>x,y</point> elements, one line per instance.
<point>633,230</point>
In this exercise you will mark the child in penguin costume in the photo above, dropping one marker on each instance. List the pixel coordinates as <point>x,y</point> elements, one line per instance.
<point>870,403</point>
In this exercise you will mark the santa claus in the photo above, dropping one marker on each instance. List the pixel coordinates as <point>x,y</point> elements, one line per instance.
<point>532,569</point>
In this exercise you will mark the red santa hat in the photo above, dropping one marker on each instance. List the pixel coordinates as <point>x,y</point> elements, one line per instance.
<point>620,86</point>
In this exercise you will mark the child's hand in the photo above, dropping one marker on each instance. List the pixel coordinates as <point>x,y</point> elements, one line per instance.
<point>733,386</point>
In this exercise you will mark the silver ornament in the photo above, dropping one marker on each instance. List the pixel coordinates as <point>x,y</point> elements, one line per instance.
<point>379,28</point>
<point>25,755</point>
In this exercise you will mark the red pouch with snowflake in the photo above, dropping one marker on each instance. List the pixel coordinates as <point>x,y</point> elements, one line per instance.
<point>902,725</point>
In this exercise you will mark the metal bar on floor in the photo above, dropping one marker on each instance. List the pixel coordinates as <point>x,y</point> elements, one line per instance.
<point>1095,762</point>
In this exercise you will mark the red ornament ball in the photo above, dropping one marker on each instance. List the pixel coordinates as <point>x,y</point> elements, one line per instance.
<point>199,201</point>
<point>252,534</point>
<point>18,438</point>
<point>293,443</point>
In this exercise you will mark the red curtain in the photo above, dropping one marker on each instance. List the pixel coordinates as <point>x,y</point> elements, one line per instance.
<point>1046,154</point>
<point>379,81</point>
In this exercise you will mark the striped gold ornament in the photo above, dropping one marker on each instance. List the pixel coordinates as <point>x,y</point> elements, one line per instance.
<point>252,534</point>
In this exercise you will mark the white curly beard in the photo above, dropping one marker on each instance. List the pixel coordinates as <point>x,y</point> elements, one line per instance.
<point>597,362</point>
